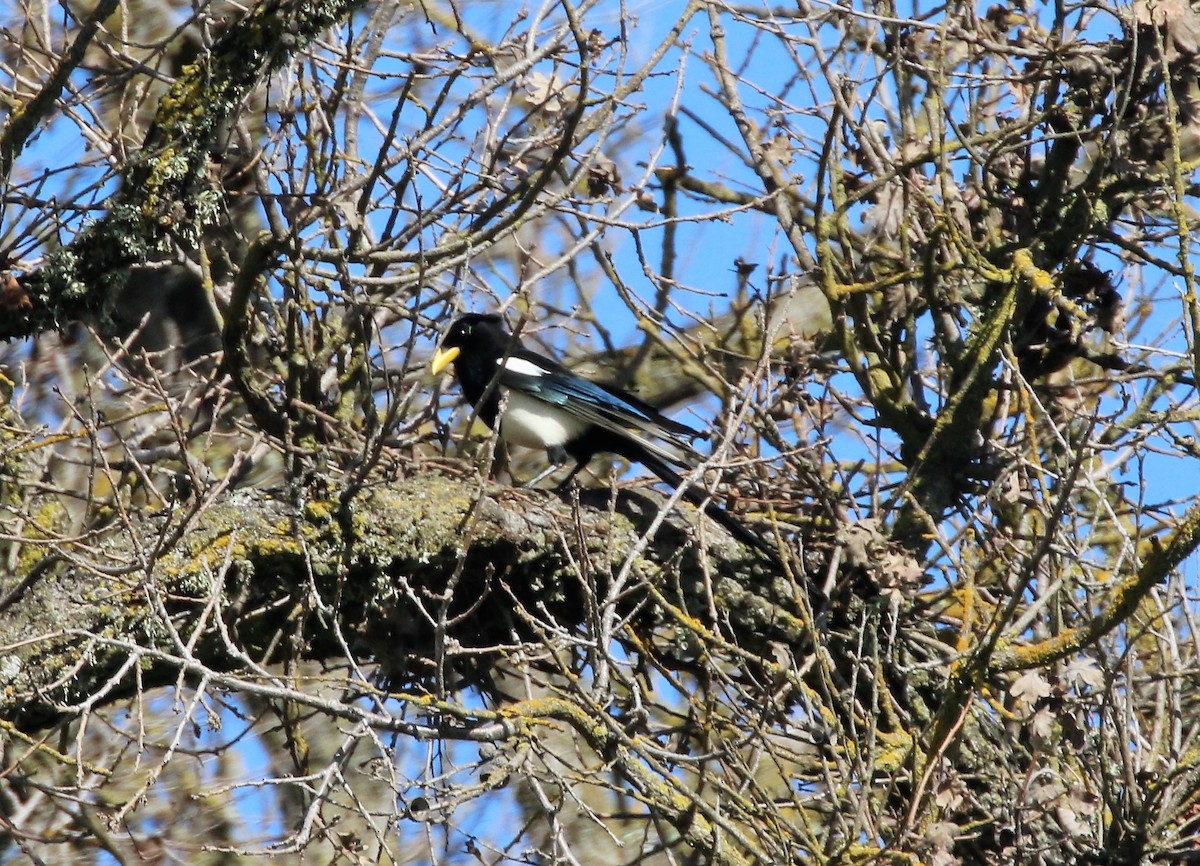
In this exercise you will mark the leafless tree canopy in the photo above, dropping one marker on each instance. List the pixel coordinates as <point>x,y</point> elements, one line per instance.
<point>923,271</point>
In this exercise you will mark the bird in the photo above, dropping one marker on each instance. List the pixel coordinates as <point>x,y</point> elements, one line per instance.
<point>535,402</point>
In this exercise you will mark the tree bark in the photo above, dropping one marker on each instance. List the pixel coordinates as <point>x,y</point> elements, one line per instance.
<point>253,569</point>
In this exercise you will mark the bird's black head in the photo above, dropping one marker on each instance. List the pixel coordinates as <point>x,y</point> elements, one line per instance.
<point>482,337</point>
<point>477,330</point>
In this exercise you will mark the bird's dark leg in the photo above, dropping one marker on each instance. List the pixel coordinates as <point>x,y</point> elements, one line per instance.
<point>562,485</point>
<point>582,453</point>
<point>557,457</point>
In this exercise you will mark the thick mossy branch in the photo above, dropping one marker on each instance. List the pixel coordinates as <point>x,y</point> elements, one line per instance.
<point>254,579</point>
<point>165,193</point>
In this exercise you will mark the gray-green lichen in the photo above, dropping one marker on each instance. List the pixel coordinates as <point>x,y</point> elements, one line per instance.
<point>255,559</point>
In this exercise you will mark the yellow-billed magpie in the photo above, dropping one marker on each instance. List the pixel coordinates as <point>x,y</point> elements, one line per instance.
<point>547,406</point>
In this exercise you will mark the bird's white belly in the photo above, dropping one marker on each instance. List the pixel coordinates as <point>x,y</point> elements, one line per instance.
<point>534,423</point>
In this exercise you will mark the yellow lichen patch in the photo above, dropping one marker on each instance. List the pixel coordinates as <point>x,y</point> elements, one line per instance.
<point>1024,266</point>
<point>44,523</point>
<point>894,750</point>
<point>319,511</point>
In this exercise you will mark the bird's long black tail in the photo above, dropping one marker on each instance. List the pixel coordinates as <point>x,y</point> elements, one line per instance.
<point>700,498</point>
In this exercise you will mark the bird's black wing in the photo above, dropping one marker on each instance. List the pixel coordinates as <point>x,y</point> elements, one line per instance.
<point>603,406</point>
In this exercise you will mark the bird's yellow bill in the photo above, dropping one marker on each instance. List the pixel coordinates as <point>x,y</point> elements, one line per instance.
<point>443,358</point>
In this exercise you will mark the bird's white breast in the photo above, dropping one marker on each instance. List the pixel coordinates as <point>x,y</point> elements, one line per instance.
<point>534,423</point>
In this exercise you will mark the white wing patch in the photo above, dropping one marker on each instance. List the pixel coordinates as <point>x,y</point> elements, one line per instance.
<point>522,367</point>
